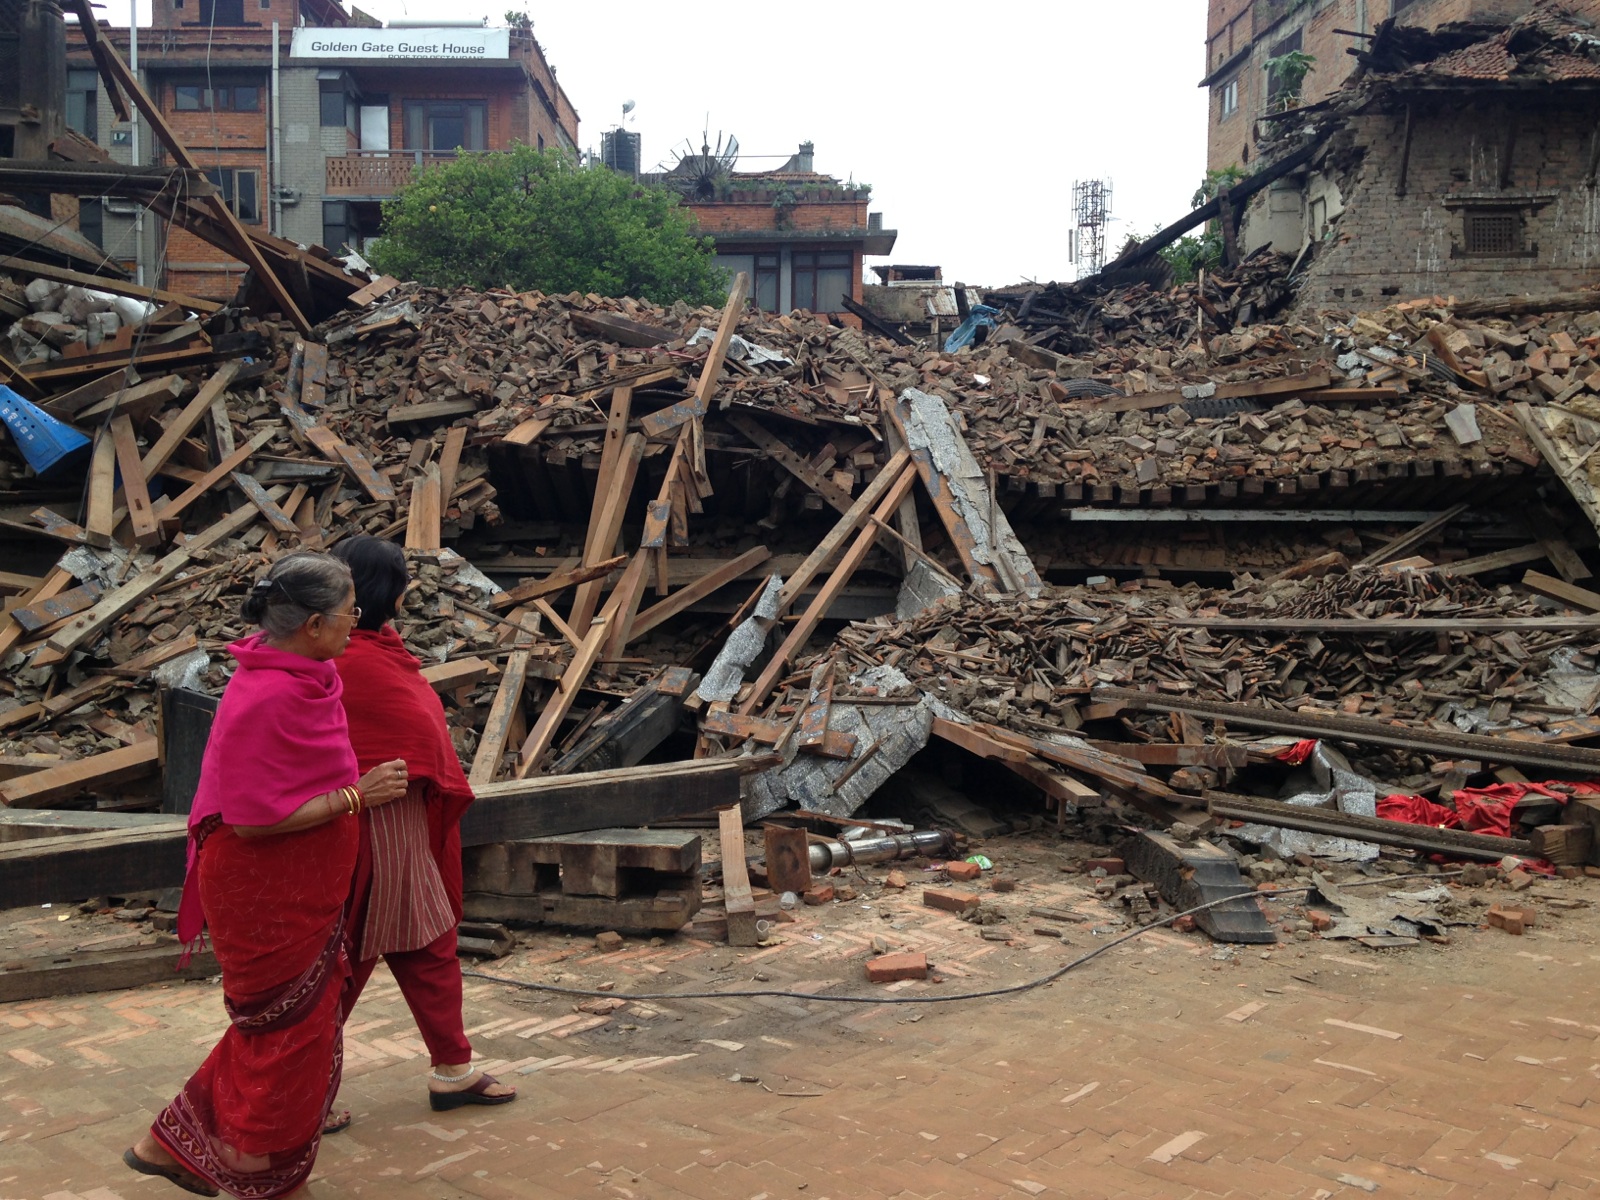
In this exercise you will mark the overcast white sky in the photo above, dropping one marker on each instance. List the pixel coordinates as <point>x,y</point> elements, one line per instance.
<point>970,122</point>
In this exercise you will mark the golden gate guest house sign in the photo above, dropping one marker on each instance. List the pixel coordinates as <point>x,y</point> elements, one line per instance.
<point>391,44</point>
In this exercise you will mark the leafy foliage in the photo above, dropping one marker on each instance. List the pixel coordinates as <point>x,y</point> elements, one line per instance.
<point>1191,254</point>
<point>537,220</point>
<point>1287,73</point>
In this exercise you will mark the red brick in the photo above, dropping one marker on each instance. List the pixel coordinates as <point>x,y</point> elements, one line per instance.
<point>608,941</point>
<point>887,968</point>
<point>950,900</point>
<point>819,893</point>
<point>1111,866</point>
<point>1320,920</point>
<point>1183,924</point>
<point>962,871</point>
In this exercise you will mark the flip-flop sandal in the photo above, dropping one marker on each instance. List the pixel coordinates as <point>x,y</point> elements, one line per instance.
<point>188,1182</point>
<point>445,1101</point>
<point>337,1123</point>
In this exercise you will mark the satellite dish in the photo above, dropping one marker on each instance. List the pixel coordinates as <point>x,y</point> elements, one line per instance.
<point>627,107</point>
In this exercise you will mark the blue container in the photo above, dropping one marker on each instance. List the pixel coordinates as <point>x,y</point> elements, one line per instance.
<point>45,442</point>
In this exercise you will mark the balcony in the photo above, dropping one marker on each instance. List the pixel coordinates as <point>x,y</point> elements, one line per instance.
<point>369,173</point>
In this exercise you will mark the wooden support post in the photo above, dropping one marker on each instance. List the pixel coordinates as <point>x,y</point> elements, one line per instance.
<point>1403,545</point>
<point>906,518</point>
<point>630,590</point>
<point>818,609</point>
<point>1405,156</point>
<point>736,895</point>
<point>497,728</point>
<point>619,466</point>
<point>135,492</point>
<point>794,463</point>
<point>99,518</point>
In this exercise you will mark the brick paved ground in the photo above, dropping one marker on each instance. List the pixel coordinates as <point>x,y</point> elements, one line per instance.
<point>1318,1070</point>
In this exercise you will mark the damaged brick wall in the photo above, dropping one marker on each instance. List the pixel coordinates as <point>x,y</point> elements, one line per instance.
<point>1456,229</point>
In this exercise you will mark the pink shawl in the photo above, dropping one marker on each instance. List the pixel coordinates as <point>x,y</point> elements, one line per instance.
<point>279,739</point>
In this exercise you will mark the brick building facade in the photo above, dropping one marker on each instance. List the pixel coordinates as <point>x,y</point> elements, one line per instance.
<point>309,117</point>
<point>800,235</point>
<point>1241,35</point>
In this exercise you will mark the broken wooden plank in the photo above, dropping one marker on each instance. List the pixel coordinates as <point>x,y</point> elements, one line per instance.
<point>338,452</point>
<point>30,268</point>
<point>458,672</point>
<point>858,514</point>
<point>826,595</point>
<point>659,423</point>
<point>497,726</point>
<point>80,775</point>
<point>83,972</point>
<point>794,463</point>
<point>624,736</point>
<point>1384,626</point>
<point>1499,560</point>
<point>1405,543</point>
<point>622,331</point>
<point>1189,875</point>
<point>101,502</point>
<point>191,415</point>
<point>34,617</point>
<point>556,581</point>
<point>135,491</point>
<point>91,623</point>
<point>682,599</point>
<point>109,395</point>
<point>1567,593</point>
<point>424,523</point>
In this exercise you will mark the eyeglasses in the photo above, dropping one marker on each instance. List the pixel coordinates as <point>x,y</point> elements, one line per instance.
<point>354,614</point>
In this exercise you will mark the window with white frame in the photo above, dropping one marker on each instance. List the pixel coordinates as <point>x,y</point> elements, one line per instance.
<point>1229,98</point>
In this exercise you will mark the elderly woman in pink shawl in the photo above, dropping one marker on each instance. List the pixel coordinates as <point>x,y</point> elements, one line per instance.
<point>272,846</point>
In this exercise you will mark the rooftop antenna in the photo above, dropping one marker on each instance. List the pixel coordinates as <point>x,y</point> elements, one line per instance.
<point>1091,210</point>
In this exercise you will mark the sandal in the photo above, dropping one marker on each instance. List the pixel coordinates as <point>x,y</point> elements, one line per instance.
<point>445,1101</point>
<point>337,1123</point>
<point>173,1174</point>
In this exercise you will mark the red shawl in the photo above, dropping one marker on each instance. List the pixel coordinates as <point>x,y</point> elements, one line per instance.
<point>278,740</point>
<point>394,713</point>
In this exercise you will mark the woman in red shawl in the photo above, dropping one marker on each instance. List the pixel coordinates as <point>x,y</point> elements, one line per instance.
<point>272,844</point>
<point>406,903</point>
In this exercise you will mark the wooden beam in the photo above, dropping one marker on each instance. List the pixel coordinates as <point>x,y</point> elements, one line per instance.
<point>1405,543</point>
<point>88,625</point>
<point>455,441</point>
<point>790,461</point>
<point>423,525</point>
<point>697,591</point>
<point>172,510</point>
<point>266,506</point>
<point>33,268</point>
<point>858,514</point>
<point>668,419</point>
<point>193,413</point>
<point>111,394</point>
<point>1498,561</point>
<point>82,972</point>
<point>620,457</point>
<point>100,507</point>
<point>81,775</point>
<point>458,672</point>
<point>111,63</point>
<point>52,870</point>
<point>497,727</point>
<point>826,595</point>
<point>736,895</point>
<point>338,452</point>
<point>1569,594</point>
<point>57,581</point>
<point>556,581</point>
<point>135,491</point>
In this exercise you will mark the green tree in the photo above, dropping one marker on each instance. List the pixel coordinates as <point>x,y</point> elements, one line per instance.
<point>536,220</point>
<point>1188,255</point>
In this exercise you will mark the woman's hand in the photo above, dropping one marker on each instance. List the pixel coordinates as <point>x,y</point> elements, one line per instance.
<point>385,782</point>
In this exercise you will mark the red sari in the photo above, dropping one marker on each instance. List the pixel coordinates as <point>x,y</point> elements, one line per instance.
<point>274,907</point>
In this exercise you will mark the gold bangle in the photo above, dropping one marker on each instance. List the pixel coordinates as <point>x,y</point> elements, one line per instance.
<point>349,800</point>
<point>361,801</point>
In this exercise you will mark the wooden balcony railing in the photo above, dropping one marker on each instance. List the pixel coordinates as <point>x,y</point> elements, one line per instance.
<point>377,172</point>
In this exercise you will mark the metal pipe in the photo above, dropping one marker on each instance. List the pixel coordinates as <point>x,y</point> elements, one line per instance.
<point>133,141</point>
<point>827,855</point>
<point>275,166</point>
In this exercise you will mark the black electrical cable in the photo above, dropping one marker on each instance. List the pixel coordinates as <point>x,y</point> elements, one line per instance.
<point>1009,990</point>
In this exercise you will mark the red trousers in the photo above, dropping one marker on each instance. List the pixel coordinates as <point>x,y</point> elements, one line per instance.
<point>430,980</point>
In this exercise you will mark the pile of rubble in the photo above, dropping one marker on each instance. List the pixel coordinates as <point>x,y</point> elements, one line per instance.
<point>514,443</point>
